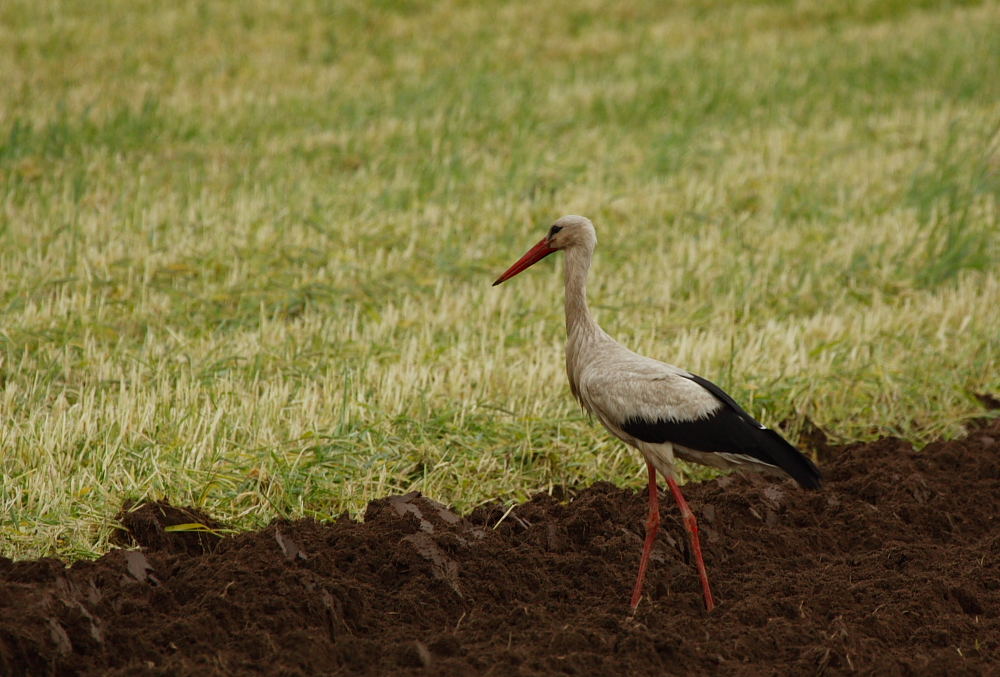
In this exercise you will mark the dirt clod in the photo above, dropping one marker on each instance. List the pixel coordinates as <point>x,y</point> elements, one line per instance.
<point>892,568</point>
<point>148,525</point>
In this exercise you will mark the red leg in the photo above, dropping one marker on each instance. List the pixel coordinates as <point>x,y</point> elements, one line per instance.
<point>652,525</point>
<point>692,526</point>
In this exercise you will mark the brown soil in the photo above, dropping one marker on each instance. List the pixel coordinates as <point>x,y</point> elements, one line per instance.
<point>893,568</point>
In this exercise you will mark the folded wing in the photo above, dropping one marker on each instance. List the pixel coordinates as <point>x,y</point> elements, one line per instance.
<point>661,403</point>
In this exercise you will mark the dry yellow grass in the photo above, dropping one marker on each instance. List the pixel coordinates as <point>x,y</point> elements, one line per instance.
<point>246,250</point>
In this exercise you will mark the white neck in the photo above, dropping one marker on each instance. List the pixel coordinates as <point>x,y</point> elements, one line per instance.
<point>579,321</point>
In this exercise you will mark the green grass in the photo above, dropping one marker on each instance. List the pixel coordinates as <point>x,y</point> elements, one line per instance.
<point>246,249</point>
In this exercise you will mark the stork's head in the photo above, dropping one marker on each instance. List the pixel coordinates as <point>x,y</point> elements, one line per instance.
<point>571,231</point>
<point>568,232</point>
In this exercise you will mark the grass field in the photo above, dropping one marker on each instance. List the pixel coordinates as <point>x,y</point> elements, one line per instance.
<point>246,250</point>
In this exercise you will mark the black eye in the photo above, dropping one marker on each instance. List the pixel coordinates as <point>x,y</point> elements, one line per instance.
<point>554,229</point>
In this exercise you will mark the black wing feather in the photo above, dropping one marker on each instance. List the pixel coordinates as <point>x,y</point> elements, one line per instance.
<point>729,429</point>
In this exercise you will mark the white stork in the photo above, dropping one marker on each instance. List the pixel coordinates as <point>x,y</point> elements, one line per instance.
<point>661,410</point>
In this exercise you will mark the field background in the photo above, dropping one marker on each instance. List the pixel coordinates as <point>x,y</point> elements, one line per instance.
<point>246,248</point>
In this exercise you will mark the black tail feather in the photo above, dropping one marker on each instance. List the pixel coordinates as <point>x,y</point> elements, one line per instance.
<point>790,459</point>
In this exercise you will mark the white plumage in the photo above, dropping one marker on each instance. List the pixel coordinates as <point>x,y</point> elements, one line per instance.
<point>660,409</point>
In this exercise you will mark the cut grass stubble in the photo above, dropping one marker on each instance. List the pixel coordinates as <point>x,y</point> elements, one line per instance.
<point>258,281</point>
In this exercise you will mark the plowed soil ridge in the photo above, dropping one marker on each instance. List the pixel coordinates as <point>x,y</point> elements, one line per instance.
<point>892,568</point>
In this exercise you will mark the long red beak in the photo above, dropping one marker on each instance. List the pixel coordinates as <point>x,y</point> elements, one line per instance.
<point>534,255</point>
